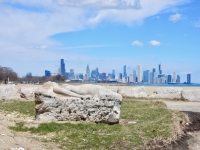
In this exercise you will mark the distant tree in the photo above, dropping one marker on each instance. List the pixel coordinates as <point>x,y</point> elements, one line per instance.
<point>6,72</point>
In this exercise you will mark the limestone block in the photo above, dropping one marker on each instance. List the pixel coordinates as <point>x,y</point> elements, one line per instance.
<point>9,92</point>
<point>173,93</point>
<point>74,103</point>
<point>191,95</point>
<point>136,92</point>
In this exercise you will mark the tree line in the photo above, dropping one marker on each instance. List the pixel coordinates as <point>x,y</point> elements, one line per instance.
<point>8,74</point>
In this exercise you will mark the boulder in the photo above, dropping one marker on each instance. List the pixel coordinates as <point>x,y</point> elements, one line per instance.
<point>75,103</point>
<point>9,92</point>
<point>28,92</point>
<point>136,92</point>
<point>167,93</point>
<point>191,95</point>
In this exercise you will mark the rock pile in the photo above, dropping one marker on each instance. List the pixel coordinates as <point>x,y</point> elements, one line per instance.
<point>74,103</point>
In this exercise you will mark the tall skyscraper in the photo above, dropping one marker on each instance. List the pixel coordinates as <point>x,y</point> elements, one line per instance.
<point>188,78</point>
<point>146,76</point>
<point>113,74</point>
<point>169,78</point>
<point>178,79</point>
<point>174,77</point>
<point>139,73</point>
<point>159,69</point>
<point>87,72</point>
<point>124,72</point>
<point>62,67</point>
<point>96,73</point>
<point>134,76</point>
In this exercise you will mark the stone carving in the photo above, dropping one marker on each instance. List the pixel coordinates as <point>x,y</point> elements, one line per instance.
<point>74,103</point>
<point>191,95</point>
<point>136,92</point>
<point>9,92</point>
<point>167,93</point>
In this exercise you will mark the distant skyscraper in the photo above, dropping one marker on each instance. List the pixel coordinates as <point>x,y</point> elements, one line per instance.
<point>159,69</point>
<point>96,73</point>
<point>113,74</point>
<point>169,78</point>
<point>124,72</point>
<point>174,77</point>
<point>47,73</point>
<point>146,76</point>
<point>139,73</point>
<point>120,76</point>
<point>134,76</point>
<point>88,72</point>
<point>178,79</point>
<point>62,67</point>
<point>188,78</point>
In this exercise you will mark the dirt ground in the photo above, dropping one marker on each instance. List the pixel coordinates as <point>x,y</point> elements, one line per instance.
<point>10,140</point>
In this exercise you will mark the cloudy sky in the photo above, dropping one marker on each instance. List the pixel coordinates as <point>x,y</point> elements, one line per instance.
<point>36,34</point>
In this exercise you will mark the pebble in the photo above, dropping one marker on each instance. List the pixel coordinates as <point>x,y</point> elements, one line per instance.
<point>3,134</point>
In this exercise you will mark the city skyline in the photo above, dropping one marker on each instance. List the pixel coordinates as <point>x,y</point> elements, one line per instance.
<point>139,76</point>
<point>36,34</point>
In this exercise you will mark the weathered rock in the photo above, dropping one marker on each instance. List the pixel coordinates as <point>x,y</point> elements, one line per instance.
<point>191,95</point>
<point>167,93</point>
<point>74,103</point>
<point>137,92</point>
<point>28,92</point>
<point>9,92</point>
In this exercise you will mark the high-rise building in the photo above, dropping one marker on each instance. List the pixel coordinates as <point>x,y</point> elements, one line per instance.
<point>104,75</point>
<point>159,69</point>
<point>139,73</point>
<point>124,72</point>
<point>47,73</point>
<point>188,78</point>
<point>134,76</point>
<point>71,74</point>
<point>87,72</point>
<point>120,76</point>
<point>113,74</point>
<point>174,77</point>
<point>146,76</point>
<point>178,79</point>
<point>131,78</point>
<point>169,78</point>
<point>96,73</point>
<point>62,67</point>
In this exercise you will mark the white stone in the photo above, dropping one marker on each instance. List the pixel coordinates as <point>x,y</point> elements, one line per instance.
<point>136,92</point>
<point>28,92</point>
<point>191,95</point>
<point>167,93</point>
<point>74,103</point>
<point>9,92</point>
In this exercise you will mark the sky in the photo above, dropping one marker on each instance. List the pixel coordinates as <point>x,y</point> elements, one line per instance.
<point>35,35</point>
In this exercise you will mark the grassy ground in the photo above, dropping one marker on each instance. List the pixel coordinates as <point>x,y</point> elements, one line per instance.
<point>153,121</point>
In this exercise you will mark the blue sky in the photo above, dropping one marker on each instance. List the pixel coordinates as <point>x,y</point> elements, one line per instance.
<point>35,35</point>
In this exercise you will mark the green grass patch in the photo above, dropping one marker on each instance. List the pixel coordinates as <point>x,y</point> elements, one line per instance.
<point>23,107</point>
<point>153,119</point>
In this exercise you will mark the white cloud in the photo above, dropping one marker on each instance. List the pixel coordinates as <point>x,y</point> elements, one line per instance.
<point>154,43</point>
<point>99,4</point>
<point>175,18</point>
<point>37,20</point>
<point>137,43</point>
